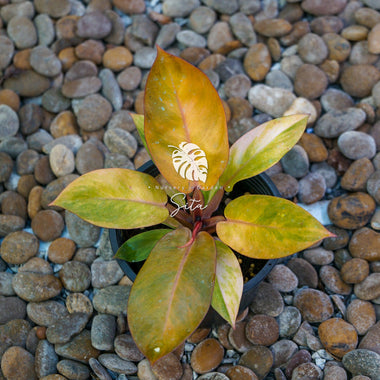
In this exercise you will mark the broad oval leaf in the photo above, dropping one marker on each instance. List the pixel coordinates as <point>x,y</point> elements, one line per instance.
<point>115,198</point>
<point>138,247</point>
<point>182,107</point>
<point>266,227</point>
<point>190,161</point>
<point>172,292</point>
<point>261,148</point>
<point>229,284</point>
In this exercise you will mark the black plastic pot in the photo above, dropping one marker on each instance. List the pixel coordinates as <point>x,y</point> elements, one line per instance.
<point>260,184</point>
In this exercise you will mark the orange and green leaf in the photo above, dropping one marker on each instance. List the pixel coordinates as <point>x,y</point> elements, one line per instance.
<point>115,198</point>
<point>261,148</point>
<point>172,292</point>
<point>266,227</point>
<point>185,124</point>
<point>228,283</point>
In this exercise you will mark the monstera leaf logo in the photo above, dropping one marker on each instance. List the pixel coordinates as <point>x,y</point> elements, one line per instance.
<point>190,161</point>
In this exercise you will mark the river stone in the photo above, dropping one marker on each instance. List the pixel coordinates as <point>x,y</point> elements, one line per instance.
<point>273,101</point>
<point>118,365</point>
<point>18,363</point>
<point>66,327</point>
<point>257,61</point>
<point>45,29</point>
<point>18,247</point>
<point>6,51</point>
<point>112,300</point>
<point>45,359</point>
<point>75,276</point>
<point>335,122</point>
<point>369,288</point>
<point>79,348</point>
<point>73,369</point>
<point>28,84</point>
<point>362,362</point>
<point>358,80</point>
<point>94,25</point>
<point>127,349</point>
<point>323,7</point>
<point>35,287</point>
<point>11,308</point>
<point>44,61</point>
<point>355,145</point>
<point>103,330</point>
<point>83,233</point>
<point>46,313</point>
<point>9,122</point>
<point>351,211</point>
<point>81,87</point>
<point>22,32</point>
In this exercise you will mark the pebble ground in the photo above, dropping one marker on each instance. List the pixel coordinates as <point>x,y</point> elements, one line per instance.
<point>70,73</point>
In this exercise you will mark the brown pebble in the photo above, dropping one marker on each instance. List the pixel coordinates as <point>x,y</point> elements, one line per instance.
<point>222,334</point>
<point>330,277</point>
<point>357,175</point>
<point>338,336</point>
<point>168,368</point>
<point>351,211</point>
<point>47,225</point>
<point>257,61</point>
<point>314,305</point>
<point>310,81</point>
<point>305,272</point>
<point>41,332</point>
<point>314,147</point>
<point>237,337</point>
<point>371,339</point>
<point>358,80</point>
<point>300,357</point>
<point>365,244</point>
<point>262,330</point>
<point>354,271</point>
<point>207,355</point>
<point>369,288</point>
<point>61,250</point>
<point>259,359</point>
<point>10,98</point>
<point>198,335</point>
<point>239,372</point>
<point>361,314</point>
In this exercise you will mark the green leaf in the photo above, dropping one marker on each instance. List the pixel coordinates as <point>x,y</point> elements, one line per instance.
<point>185,124</point>
<point>115,198</point>
<point>138,247</point>
<point>139,122</point>
<point>261,148</point>
<point>228,283</point>
<point>266,227</point>
<point>172,292</point>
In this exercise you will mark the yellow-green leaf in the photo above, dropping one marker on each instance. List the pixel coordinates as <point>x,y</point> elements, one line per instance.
<point>261,148</point>
<point>115,198</point>
<point>185,124</point>
<point>139,122</point>
<point>228,283</point>
<point>138,247</point>
<point>172,292</point>
<point>266,227</point>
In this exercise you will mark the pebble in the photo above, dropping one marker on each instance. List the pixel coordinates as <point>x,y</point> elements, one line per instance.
<point>89,158</point>
<point>300,357</point>
<point>286,185</point>
<point>28,84</point>
<point>206,356</point>
<point>369,288</point>
<point>9,122</point>
<point>282,278</point>
<point>116,364</point>
<point>169,367</point>
<point>311,370</point>
<point>364,244</point>
<point>271,100</point>
<point>296,162</point>
<point>259,359</point>
<point>46,359</point>
<point>71,368</point>
<point>373,185</point>
<point>365,77</point>
<point>13,204</point>
<point>62,161</point>
<point>362,362</point>
<point>44,61</point>
<point>54,8</point>
<point>354,271</point>
<point>81,87</point>
<point>94,25</point>
<point>357,175</point>
<point>182,8</point>
<point>351,211</point>
<point>312,188</point>
<point>79,348</point>
<point>22,32</point>
<point>46,313</point>
<point>45,29</point>
<point>75,276</point>
<point>47,225</point>
<point>167,34</point>
<point>334,372</point>
<point>18,363</point>
<point>326,24</point>
<point>11,307</point>
<point>319,256</point>
<point>202,19</point>
<point>144,30</point>
<point>237,337</point>
<point>78,303</point>
<point>289,321</point>
<point>314,305</point>
<point>331,278</point>
<point>91,50</point>
<point>267,300</point>
<point>257,62</point>
<point>334,99</point>
<point>30,118</point>
<point>310,81</point>
<point>6,284</point>
<point>18,247</point>
<point>112,300</point>
<point>66,327</point>
<point>130,78</point>
<point>7,51</point>
<point>312,49</point>
<point>26,161</point>
<point>282,351</point>
<point>83,233</point>
<point>105,273</point>
<point>262,330</point>
<point>374,40</point>
<point>355,145</point>
<point>242,28</point>
<point>339,48</point>
<point>371,339</point>
<point>120,141</point>
<point>238,372</point>
<point>126,348</point>
<point>361,314</point>
<point>190,38</point>
<point>35,287</point>
<point>277,78</point>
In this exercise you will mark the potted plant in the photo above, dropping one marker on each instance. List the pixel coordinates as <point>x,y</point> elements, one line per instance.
<point>191,263</point>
